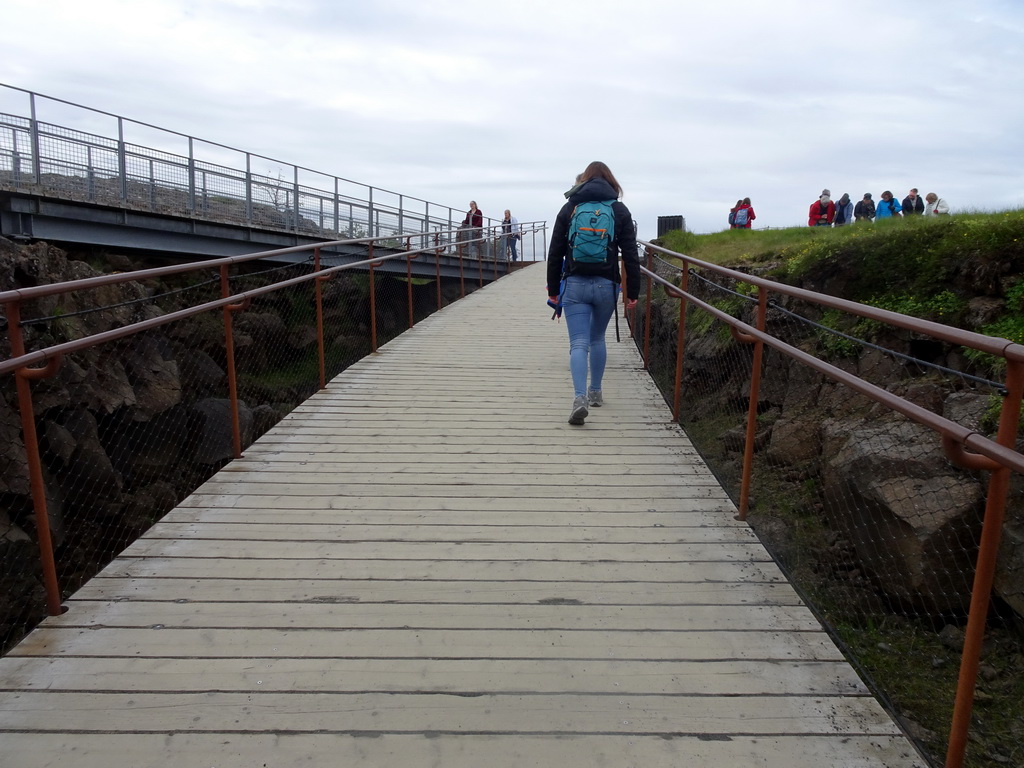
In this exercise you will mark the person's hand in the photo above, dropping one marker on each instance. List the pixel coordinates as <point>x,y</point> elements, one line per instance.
<point>553,299</point>
<point>630,304</point>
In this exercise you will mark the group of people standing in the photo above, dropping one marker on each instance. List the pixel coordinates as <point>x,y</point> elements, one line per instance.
<point>473,225</point>
<point>824,212</point>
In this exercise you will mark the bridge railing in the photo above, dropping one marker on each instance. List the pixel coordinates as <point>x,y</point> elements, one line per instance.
<point>123,391</point>
<point>171,173</point>
<point>876,464</point>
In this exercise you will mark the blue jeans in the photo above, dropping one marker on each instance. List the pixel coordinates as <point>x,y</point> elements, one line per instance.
<point>512,245</point>
<point>587,305</point>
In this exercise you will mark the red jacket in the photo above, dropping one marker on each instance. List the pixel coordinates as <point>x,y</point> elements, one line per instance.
<point>816,212</point>
<point>473,219</point>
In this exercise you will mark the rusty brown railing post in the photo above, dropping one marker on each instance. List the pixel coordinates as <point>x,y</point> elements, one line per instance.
<point>677,390</point>
<point>437,274</point>
<point>229,351</point>
<point>317,283</point>
<point>988,551</point>
<point>755,388</point>
<point>647,312</point>
<point>462,274</point>
<point>30,438</point>
<point>408,289</point>
<point>373,303</point>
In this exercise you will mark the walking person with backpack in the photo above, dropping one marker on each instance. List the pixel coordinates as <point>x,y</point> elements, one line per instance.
<point>744,214</point>
<point>732,214</point>
<point>589,233</point>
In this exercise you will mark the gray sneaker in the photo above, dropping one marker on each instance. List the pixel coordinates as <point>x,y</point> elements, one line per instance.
<point>595,397</point>
<point>579,411</point>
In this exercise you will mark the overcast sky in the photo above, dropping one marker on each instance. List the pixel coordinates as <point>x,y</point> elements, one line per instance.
<point>692,104</point>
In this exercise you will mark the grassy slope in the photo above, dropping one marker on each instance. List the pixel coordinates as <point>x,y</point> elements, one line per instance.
<point>937,269</point>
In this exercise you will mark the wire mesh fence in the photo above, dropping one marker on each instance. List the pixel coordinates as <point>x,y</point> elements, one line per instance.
<point>856,502</point>
<point>115,161</point>
<point>129,427</point>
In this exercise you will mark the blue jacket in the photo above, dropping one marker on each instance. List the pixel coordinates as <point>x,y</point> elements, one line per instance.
<point>887,209</point>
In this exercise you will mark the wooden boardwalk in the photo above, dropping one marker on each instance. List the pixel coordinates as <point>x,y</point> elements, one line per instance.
<point>425,565</point>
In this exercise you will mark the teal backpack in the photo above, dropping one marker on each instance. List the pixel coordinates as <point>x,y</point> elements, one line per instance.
<point>591,231</point>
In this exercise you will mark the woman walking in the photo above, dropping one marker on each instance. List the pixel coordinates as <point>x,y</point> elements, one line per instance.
<point>590,291</point>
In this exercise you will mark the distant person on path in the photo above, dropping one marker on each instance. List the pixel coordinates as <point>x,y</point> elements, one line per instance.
<point>732,214</point>
<point>912,204</point>
<point>822,211</point>
<point>473,225</point>
<point>935,206</point>
<point>844,211</point>
<point>888,207</point>
<point>509,233</point>
<point>865,209</point>
<point>743,215</point>
<point>583,276</point>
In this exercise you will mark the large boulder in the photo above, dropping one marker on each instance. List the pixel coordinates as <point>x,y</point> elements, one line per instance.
<point>13,464</point>
<point>215,442</point>
<point>88,479</point>
<point>152,371</point>
<point>912,517</point>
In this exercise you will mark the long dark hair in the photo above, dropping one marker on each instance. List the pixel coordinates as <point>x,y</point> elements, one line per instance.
<point>598,170</point>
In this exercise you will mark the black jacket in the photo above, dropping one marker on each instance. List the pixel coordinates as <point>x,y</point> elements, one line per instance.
<point>624,242</point>
<point>913,206</point>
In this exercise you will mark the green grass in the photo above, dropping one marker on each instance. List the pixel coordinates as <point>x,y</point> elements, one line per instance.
<point>929,268</point>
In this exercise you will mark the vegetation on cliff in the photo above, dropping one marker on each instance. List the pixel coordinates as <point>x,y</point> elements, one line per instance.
<point>966,271</point>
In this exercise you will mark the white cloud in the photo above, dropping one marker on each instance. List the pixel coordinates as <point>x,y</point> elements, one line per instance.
<point>691,104</point>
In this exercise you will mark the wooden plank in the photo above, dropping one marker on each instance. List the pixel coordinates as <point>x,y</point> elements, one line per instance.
<point>446,713</point>
<point>260,642</point>
<point>291,590</point>
<point>552,573</point>
<point>291,530</point>
<point>504,676</point>
<point>374,750</point>
<point>379,518</point>
<point>351,616</point>
<point>523,552</point>
<point>710,501</point>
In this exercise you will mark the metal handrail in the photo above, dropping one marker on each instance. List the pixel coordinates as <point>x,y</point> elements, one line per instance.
<point>43,363</point>
<point>962,446</point>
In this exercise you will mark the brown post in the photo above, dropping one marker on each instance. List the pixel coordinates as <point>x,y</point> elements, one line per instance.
<point>495,257</point>
<point>35,465</point>
<point>677,391</point>
<point>373,303</point>
<point>437,276</point>
<point>647,321</point>
<point>984,572</point>
<point>755,388</point>
<point>229,351</point>
<point>462,275</point>
<point>320,319</point>
<point>408,289</point>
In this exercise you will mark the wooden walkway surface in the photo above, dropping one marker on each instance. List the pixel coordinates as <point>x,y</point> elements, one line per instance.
<point>425,565</point>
